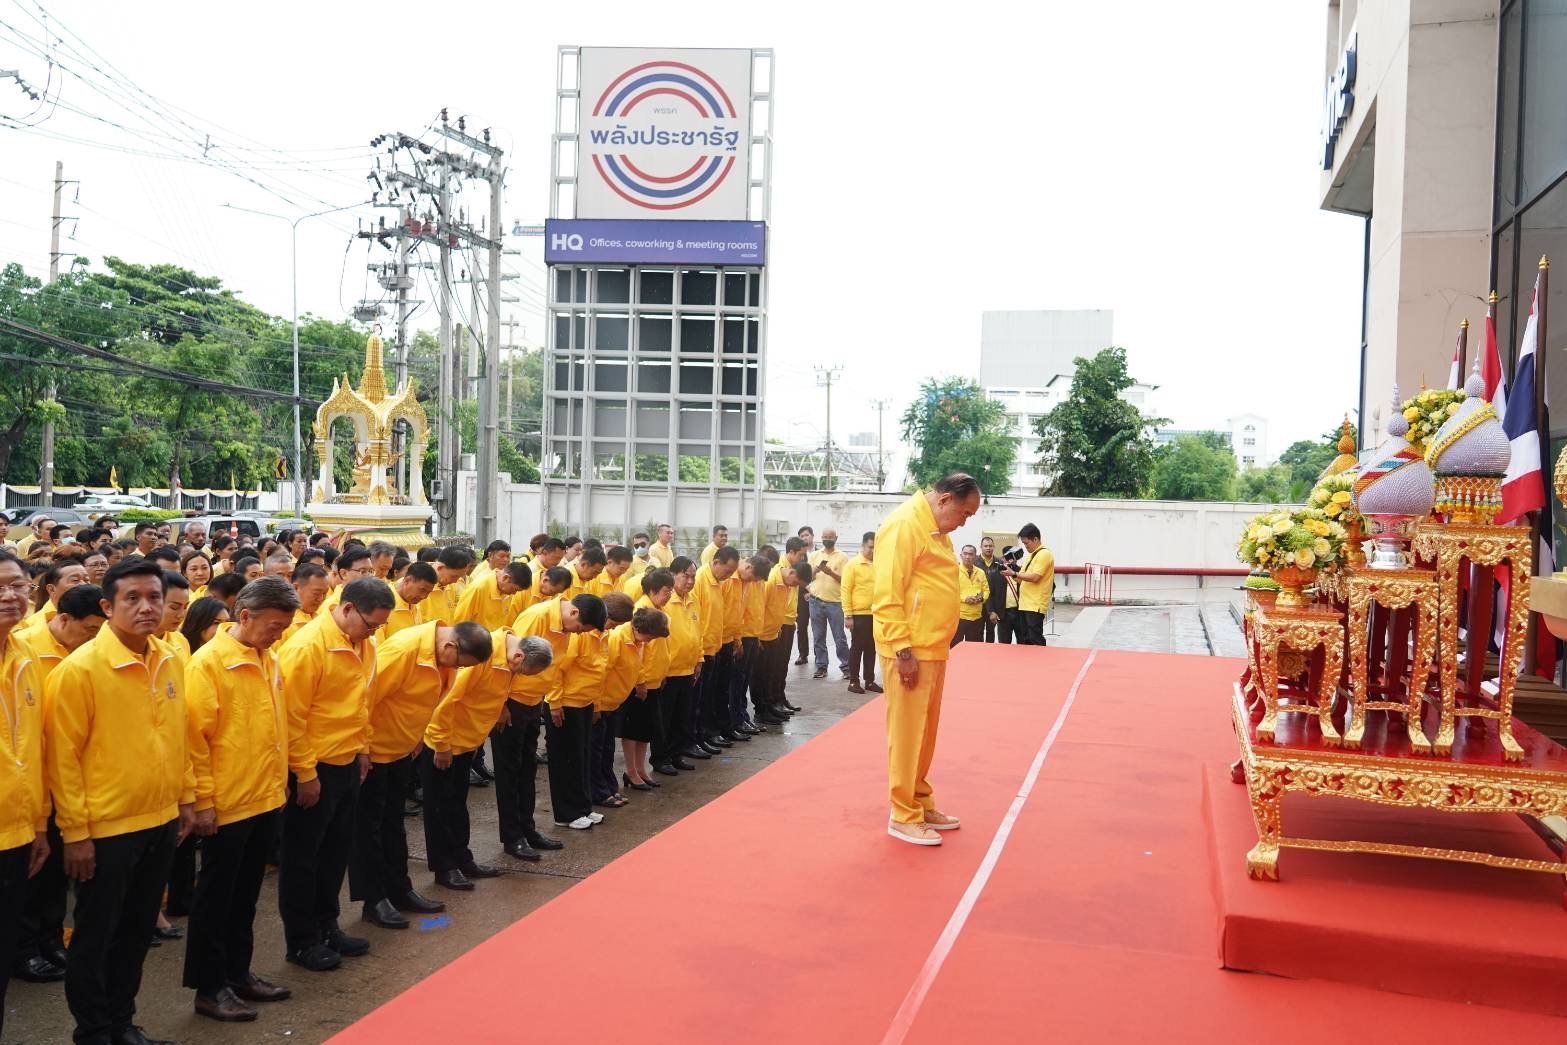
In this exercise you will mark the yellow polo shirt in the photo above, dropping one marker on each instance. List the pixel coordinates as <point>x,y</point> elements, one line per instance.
<point>822,586</point>
<point>660,554</point>
<point>859,580</point>
<point>970,583</point>
<point>1035,596</point>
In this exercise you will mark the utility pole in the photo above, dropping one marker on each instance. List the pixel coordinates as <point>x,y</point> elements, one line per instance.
<point>825,376</point>
<point>46,443</point>
<point>490,390</point>
<point>881,460</point>
<point>511,369</point>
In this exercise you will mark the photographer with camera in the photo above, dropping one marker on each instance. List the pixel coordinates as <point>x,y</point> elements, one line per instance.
<point>1034,573</point>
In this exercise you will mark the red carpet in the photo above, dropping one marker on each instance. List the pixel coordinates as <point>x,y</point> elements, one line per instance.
<point>782,912</point>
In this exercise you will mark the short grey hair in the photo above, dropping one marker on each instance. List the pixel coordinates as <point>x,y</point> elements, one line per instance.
<point>537,654</point>
<point>267,593</point>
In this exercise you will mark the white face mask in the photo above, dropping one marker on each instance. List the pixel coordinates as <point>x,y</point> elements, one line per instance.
<point>641,551</point>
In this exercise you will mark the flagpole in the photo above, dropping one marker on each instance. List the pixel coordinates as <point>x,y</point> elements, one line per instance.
<point>1463,351</point>
<point>1542,518</point>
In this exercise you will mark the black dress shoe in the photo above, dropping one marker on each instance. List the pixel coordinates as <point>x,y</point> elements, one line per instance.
<point>666,770</point>
<point>39,969</point>
<point>477,871</point>
<point>382,913</point>
<point>719,741</point>
<point>483,770</point>
<point>802,660</point>
<point>785,703</point>
<point>735,736</point>
<point>543,844</point>
<point>710,747</point>
<point>454,880</point>
<point>475,780</point>
<point>680,763</point>
<point>412,903</point>
<point>224,1006</point>
<point>871,687</point>
<point>697,751</point>
<point>318,957</point>
<point>522,851</point>
<point>134,1035</point>
<point>750,728</point>
<point>55,955</point>
<point>346,945</point>
<point>771,719</point>
<point>257,989</point>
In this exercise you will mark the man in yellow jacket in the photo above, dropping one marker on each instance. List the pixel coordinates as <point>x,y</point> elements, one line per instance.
<point>494,600</point>
<point>575,683</point>
<point>781,599</point>
<point>412,599</point>
<point>685,660</point>
<point>119,774</point>
<point>973,594</point>
<point>24,843</point>
<point>413,670</point>
<point>859,582</point>
<point>475,706</point>
<point>915,610</point>
<point>327,667</point>
<point>237,732</point>
<point>1036,581</point>
<point>717,654</point>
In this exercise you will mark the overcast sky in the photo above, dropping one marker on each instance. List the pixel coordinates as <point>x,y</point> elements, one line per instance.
<point>931,162</point>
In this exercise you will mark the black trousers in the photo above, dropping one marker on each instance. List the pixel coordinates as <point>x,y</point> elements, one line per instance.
<point>570,796</point>
<point>1007,626</point>
<point>674,711</point>
<point>1030,628</point>
<point>316,847</point>
<point>42,928</point>
<point>223,910</point>
<point>969,631</point>
<point>378,867</point>
<point>696,720</point>
<point>445,812</point>
<point>764,682</point>
<point>802,637</point>
<point>991,626</point>
<point>516,766</point>
<point>13,895</point>
<point>862,649</point>
<point>715,690</point>
<point>780,679</point>
<point>116,910</point>
<point>740,680</point>
<point>182,877</point>
<point>601,756</point>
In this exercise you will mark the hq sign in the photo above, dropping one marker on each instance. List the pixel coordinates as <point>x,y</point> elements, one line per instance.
<point>663,133</point>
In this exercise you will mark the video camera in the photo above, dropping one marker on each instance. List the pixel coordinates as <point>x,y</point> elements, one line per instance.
<point>1012,556</point>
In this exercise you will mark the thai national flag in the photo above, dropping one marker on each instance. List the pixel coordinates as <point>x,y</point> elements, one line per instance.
<point>1523,488</point>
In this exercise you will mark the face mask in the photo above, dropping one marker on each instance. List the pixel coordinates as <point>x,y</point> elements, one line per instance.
<point>640,549</point>
<point>829,545</point>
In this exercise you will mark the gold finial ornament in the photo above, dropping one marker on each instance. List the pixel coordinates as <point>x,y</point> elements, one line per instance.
<point>1545,263</point>
<point>1493,298</point>
<point>1346,460</point>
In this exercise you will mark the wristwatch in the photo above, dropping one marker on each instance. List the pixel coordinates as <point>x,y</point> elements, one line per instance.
<point>905,654</point>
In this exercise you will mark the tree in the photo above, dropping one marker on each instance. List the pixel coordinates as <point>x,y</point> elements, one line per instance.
<point>1094,443</point>
<point>1194,468</point>
<point>953,427</point>
<point>1306,459</point>
<point>1264,485</point>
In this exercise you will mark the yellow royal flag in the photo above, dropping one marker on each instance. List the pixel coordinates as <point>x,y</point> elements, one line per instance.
<point>232,484</point>
<point>114,478</point>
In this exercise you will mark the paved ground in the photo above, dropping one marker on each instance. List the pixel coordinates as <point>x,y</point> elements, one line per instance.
<point>1203,630</point>
<point>325,1003</point>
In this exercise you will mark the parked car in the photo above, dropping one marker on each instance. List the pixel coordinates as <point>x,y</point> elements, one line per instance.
<point>217,525</point>
<point>111,501</point>
<point>22,519</point>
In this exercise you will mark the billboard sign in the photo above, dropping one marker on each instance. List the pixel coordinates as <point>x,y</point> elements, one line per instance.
<point>663,133</point>
<point>655,242</point>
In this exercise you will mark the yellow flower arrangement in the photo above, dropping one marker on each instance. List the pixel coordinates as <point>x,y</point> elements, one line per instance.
<point>1428,411</point>
<point>1303,537</point>
<point>1334,497</point>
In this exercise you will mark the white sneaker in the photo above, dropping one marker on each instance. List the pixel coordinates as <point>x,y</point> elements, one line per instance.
<point>597,818</point>
<point>582,823</point>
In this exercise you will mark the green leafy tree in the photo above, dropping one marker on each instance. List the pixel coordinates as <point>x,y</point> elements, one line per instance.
<point>953,427</point>
<point>1094,443</point>
<point>1264,485</point>
<point>1306,458</point>
<point>1194,468</point>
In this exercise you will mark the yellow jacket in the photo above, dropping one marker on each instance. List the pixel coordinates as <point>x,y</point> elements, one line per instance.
<point>708,553</point>
<point>46,650</point>
<point>114,739</point>
<point>470,709</point>
<point>408,685</point>
<point>710,609</point>
<point>484,603</point>
<point>778,600</point>
<point>325,679</point>
<point>543,621</point>
<point>177,641</point>
<point>579,678</point>
<point>753,607</point>
<point>1036,597</point>
<point>301,618</point>
<point>685,635</point>
<point>970,584</point>
<point>655,656</point>
<point>404,615</point>
<point>916,595</point>
<point>732,593</point>
<point>43,615</point>
<point>25,808</point>
<point>859,583</point>
<point>624,659</point>
<point>236,729</point>
<point>441,603</point>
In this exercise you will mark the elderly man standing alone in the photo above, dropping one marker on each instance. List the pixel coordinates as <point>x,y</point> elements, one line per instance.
<point>915,614</point>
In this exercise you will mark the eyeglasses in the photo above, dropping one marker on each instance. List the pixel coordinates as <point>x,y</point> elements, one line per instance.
<point>21,589</point>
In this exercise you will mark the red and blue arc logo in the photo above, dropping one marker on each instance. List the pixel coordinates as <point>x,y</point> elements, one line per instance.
<point>664,135</point>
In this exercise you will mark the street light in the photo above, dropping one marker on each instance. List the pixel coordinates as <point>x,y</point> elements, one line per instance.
<point>299,495</point>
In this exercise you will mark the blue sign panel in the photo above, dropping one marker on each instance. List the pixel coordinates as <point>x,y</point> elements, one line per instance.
<point>654,242</point>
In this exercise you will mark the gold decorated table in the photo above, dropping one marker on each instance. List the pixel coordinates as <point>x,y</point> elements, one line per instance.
<point>1277,631</point>
<point>1416,591</point>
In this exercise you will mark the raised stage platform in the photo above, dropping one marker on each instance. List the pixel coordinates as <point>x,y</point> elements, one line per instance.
<point>1091,896</point>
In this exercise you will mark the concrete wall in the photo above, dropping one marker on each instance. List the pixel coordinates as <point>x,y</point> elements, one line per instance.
<point>1185,534</point>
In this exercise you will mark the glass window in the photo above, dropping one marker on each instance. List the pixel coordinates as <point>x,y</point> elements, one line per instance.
<point>698,287</point>
<point>1545,85</point>
<point>563,284</point>
<point>696,379</point>
<point>655,333</point>
<point>1542,229</point>
<point>653,377</point>
<point>614,286</point>
<point>734,288</point>
<point>696,335</point>
<point>656,287</point>
<point>1505,269</point>
<point>734,336</point>
<point>609,377</point>
<point>611,333</point>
